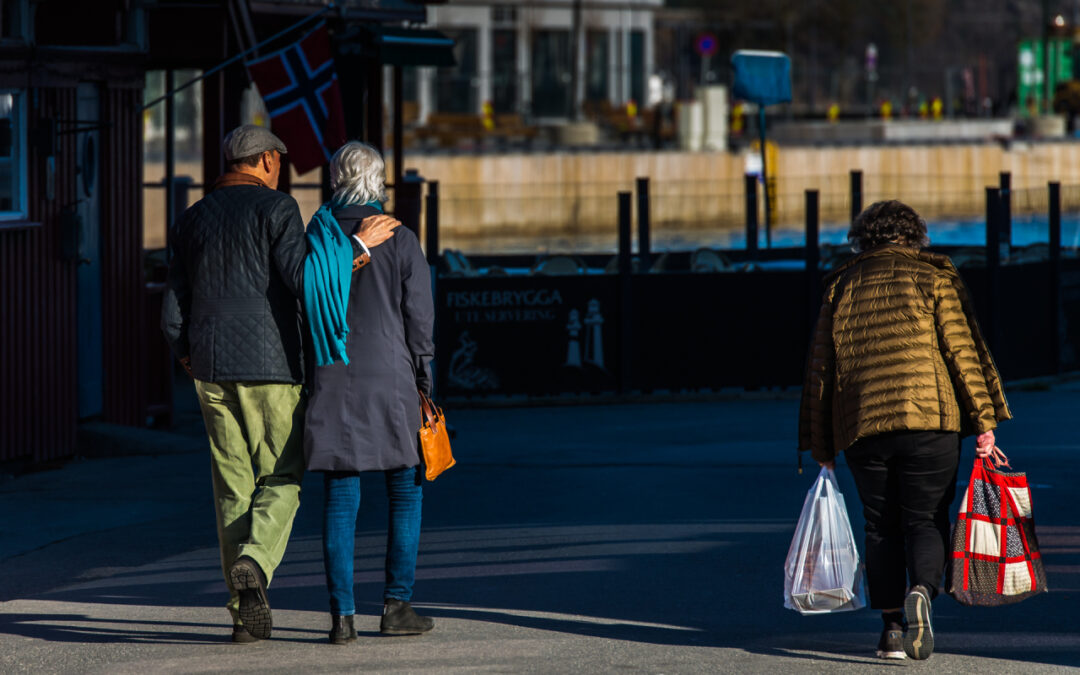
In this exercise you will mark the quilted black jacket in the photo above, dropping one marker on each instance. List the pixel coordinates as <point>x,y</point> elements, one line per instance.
<point>234,281</point>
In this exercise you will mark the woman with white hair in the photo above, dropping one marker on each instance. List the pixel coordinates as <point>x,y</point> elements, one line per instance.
<point>364,410</point>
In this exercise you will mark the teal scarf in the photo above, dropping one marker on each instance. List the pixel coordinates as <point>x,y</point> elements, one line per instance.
<point>327,277</point>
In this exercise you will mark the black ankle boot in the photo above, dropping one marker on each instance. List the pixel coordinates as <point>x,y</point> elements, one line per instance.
<point>342,630</point>
<point>399,618</point>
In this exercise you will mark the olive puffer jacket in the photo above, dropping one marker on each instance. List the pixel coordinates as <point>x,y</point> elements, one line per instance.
<point>896,348</point>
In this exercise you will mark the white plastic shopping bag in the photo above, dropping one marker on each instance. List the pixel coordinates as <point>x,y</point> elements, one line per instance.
<point>822,572</point>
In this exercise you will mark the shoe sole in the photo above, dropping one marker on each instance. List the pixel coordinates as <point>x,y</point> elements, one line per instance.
<point>254,606</point>
<point>244,638</point>
<point>919,636</point>
<point>403,631</point>
<point>891,656</point>
<point>394,631</point>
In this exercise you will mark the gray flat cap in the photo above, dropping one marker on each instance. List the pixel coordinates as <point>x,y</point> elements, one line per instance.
<point>250,139</point>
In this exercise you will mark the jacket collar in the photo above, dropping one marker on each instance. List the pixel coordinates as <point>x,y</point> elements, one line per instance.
<point>354,212</point>
<point>237,178</point>
<point>885,250</point>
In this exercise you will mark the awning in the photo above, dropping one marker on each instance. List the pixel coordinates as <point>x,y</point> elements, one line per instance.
<point>398,46</point>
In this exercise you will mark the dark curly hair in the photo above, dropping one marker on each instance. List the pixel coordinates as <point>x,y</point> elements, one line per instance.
<point>887,222</point>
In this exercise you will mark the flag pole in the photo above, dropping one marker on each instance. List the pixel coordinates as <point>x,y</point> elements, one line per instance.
<point>225,64</point>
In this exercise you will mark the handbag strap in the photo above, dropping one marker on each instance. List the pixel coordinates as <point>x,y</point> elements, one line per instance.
<point>428,409</point>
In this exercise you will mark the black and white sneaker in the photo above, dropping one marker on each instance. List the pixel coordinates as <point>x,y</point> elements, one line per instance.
<point>919,636</point>
<point>891,644</point>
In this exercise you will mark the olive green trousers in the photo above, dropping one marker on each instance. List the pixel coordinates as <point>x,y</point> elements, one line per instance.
<point>257,462</point>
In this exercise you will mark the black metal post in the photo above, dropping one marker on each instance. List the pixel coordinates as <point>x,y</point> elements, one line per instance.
<point>374,102</point>
<point>644,239</point>
<point>625,293</point>
<point>1056,324</point>
<point>812,252</point>
<point>624,233</point>
<point>856,194</point>
<point>170,160</point>
<point>1006,212</point>
<point>399,150</point>
<point>993,262</point>
<point>325,190</point>
<point>408,199</point>
<point>765,176</point>
<point>431,234</point>
<point>750,186</point>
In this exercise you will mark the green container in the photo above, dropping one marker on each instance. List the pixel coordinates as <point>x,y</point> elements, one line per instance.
<point>1030,91</point>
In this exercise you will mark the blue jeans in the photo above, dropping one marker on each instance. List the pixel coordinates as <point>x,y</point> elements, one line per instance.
<point>341,504</point>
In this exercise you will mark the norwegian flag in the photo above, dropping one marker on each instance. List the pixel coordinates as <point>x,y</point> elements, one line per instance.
<point>300,89</point>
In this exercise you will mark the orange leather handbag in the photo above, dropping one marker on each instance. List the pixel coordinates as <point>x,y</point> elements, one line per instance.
<point>434,439</point>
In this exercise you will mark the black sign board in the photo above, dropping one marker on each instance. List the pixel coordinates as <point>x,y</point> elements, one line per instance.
<point>528,335</point>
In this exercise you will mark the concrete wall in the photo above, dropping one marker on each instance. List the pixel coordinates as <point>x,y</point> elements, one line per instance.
<point>573,195</point>
<point>519,195</point>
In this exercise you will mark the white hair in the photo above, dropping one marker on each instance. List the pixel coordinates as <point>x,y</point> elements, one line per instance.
<point>357,175</point>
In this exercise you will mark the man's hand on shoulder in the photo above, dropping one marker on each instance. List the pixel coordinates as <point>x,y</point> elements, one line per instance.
<point>374,230</point>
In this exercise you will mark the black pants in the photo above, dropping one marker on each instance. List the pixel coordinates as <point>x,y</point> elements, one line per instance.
<point>906,481</point>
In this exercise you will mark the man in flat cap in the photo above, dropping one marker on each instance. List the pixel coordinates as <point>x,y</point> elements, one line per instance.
<point>232,316</point>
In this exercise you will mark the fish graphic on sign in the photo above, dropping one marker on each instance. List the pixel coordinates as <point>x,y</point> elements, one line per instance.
<point>464,373</point>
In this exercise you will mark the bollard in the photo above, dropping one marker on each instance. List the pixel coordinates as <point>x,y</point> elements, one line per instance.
<point>625,293</point>
<point>812,253</point>
<point>750,186</point>
<point>431,224</point>
<point>624,233</point>
<point>644,240</point>
<point>993,262</point>
<point>1056,324</point>
<point>813,231</point>
<point>1005,224</point>
<point>856,194</point>
<point>407,200</point>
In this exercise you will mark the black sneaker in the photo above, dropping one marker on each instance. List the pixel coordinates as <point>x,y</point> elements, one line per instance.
<point>248,580</point>
<point>891,644</point>
<point>342,630</point>
<point>241,636</point>
<point>919,636</point>
<point>398,618</point>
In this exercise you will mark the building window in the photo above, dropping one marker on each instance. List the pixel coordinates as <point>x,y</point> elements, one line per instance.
<point>187,160</point>
<point>504,15</point>
<point>504,92</point>
<point>12,155</point>
<point>551,73</point>
<point>456,87</point>
<point>637,66</point>
<point>596,65</point>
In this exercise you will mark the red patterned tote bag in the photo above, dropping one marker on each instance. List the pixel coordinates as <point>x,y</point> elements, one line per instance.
<point>995,554</point>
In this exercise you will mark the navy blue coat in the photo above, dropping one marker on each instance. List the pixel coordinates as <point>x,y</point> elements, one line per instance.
<point>365,416</point>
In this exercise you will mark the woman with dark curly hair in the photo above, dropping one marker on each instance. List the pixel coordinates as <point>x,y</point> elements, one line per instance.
<point>898,372</point>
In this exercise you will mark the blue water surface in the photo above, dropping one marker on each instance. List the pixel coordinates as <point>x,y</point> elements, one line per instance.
<point>1026,230</point>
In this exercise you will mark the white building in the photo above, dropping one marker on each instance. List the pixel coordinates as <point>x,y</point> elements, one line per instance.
<point>517,54</point>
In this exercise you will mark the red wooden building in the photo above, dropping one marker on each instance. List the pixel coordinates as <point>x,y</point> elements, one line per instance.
<point>78,310</point>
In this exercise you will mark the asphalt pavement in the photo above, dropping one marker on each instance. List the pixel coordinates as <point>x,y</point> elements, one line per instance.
<point>646,537</point>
